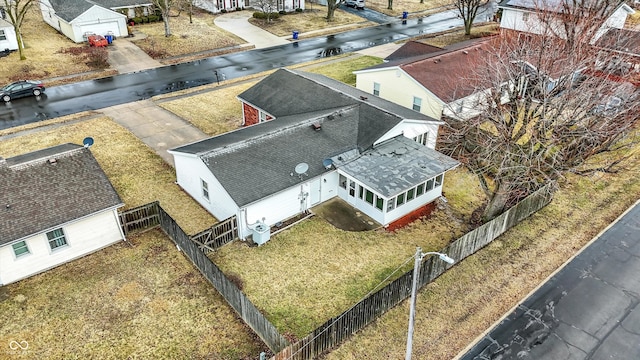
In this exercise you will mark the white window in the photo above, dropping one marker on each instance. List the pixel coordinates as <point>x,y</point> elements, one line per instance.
<point>20,248</point>
<point>376,89</point>
<point>391,204</point>
<point>352,188</point>
<point>525,16</point>
<point>422,138</point>
<point>342,181</point>
<point>417,103</point>
<point>56,239</point>
<point>205,189</point>
<point>439,179</point>
<point>263,116</point>
<point>3,36</point>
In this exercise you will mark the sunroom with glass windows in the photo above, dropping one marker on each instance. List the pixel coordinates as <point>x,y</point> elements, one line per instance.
<point>392,179</point>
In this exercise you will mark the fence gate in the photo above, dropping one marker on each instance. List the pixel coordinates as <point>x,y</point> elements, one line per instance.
<point>216,236</point>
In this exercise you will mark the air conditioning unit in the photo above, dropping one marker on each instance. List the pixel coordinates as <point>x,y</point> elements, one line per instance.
<point>261,233</point>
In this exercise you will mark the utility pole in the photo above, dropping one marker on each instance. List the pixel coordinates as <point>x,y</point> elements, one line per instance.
<point>412,308</point>
<point>414,289</point>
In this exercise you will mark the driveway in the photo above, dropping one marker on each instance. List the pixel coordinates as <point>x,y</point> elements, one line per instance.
<point>369,14</point>
<point>126,57</point>
<point>237,23</point>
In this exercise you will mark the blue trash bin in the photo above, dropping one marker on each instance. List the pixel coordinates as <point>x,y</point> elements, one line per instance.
<point>109,38</point>
<point>405,14</point>
<point>295,35</point>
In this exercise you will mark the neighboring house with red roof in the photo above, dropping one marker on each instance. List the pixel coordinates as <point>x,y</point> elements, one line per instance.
<point>326,140</point>
<point>56,205</point>
<point>435,84</point>
<point>545,17</point>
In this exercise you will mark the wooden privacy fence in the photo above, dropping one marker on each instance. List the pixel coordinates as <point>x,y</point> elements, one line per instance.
<point>152,215</point>
<point>140,218</point>
<point>231,293</point>
<point>219,234</point>
<point>338,329</point>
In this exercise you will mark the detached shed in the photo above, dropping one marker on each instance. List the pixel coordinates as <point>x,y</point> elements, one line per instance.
<point>76,18</point>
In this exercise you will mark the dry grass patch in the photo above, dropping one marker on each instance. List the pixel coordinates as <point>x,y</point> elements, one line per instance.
<point>305,275</point>
<point>187,38</point>
<point>453,37</point>
<point>478,291</point>
<point>214,112</point>
<point>42,49</point>
<point>142,300</point>
<point>138,174</point>
<point>310,20</point>
<point>411,6</point>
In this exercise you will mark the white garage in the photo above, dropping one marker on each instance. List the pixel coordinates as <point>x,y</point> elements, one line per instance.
<point>84,17</point>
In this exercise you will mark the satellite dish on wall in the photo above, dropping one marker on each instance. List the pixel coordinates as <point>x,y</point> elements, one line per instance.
<point>301,168</point>
<point>87,142</point>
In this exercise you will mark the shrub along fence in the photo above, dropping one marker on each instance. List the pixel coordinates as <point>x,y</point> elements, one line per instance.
<point>152,215</point>
<point>338,329</point>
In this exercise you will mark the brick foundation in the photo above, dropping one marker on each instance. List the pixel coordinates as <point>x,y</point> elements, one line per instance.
<point>411,217</point>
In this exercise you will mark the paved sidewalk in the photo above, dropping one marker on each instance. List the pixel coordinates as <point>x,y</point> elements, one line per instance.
<point>155,126</point>
<point>238,23</point>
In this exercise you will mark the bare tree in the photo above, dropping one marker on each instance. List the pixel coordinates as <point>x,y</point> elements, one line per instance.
<point>165,7</point>
<point>15,11</point>
<point>548,107</point>
<point>468,10</point>
<point>268,7</point>
<point>332,5</point>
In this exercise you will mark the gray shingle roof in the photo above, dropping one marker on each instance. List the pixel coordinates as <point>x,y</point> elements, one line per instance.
<point>290,92</point>
<point>38,195</point>
<point>396,165</point>
<point>71,9</point>
<point>257,161</point>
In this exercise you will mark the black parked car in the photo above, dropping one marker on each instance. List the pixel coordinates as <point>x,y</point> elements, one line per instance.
<point>20,89</point>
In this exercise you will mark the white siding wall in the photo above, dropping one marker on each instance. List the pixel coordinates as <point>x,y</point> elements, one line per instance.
<point>465,108</point>
<point>83,237</point>
<point>189,171</point>
<point>361,204</point>
<point>329,186</point>
<point>11,42</point>
<point>411,129</point>
<point>616,21</point>
<point>400,88</point>
<point>274,208</point>
<point>48,15</point>
<point>515,19</point>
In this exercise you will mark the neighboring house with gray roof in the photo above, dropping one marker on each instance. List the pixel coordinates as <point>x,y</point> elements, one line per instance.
<point>56,205</point>
<point>325,139</point>
<point>77,18</point>
<point>545,16</point>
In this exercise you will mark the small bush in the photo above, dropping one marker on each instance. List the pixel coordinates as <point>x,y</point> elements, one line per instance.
<point>224,11</point>
<point>98,58</point>
<point>264,16</point>
<point>298,10</point>
<point>145,19</point>
<point>282,12</point>
<point>153,18</point>
<point>238,8</point>
<point>137,20</point>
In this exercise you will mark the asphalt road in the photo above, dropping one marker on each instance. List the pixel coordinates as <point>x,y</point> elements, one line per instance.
<point>119,89</point>
<point>588,310</point>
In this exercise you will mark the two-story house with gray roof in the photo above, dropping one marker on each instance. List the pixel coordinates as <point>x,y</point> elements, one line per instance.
<point>56,205</point>
<point>76,18</point>
<point>325,140</point>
